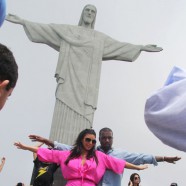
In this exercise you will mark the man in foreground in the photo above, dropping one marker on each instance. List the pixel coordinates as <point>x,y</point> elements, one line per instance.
<point>8,74</point>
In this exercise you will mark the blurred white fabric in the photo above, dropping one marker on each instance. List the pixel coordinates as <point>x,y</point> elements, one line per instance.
<point>165,110</point>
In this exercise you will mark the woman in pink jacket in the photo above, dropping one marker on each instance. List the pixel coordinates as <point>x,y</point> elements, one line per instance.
<point>83,165</point>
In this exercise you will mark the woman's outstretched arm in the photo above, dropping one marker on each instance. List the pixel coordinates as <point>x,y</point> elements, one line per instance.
<point>19,145</point>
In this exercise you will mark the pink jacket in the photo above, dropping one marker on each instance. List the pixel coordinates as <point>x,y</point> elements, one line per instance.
<point>87,175</point>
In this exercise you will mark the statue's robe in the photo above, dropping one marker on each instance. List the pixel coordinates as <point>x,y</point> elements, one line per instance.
<point>81,52</point>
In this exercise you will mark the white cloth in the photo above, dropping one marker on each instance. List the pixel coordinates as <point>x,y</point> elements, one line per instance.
<point>165,111</point>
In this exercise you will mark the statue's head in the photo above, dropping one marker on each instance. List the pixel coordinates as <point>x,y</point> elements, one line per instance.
<point>88,16</point>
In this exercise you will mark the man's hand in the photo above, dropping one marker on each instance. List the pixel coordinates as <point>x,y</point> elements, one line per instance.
<point>37,138</point>
<point>41,139</point>
<point>172,159</point>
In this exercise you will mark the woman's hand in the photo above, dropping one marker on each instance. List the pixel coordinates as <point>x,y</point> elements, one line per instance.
<point>19,145</point>
<point>130,183</point>
<point>142,167</point>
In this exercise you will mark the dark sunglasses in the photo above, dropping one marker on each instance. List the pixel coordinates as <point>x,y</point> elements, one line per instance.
<point>136,178</point>
<point>90,140</point>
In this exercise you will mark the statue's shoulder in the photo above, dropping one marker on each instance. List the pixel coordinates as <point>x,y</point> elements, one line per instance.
<point>63,27</point>
<point>69,27</point>
<point>59,25</point>
<point>101,35</point>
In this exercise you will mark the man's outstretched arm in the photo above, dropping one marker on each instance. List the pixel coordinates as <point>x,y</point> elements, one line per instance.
<point>53,144</point>
<point>141,158</point>
<point>42,140</point>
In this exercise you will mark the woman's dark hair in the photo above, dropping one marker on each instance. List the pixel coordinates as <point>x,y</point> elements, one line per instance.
<point>132,178</point>
<point>78,147</point>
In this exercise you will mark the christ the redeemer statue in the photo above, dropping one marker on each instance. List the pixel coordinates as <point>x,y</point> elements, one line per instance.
<point>81,52</point>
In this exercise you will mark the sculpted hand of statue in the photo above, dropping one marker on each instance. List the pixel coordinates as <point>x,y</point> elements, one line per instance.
<point>151,48</point>
<point>14,19</point>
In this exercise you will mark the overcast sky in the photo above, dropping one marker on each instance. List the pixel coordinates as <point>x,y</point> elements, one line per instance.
<point>124,87</point>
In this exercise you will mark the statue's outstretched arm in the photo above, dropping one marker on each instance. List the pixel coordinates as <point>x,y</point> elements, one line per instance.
<point>15,19</point>
<point>151,48</point>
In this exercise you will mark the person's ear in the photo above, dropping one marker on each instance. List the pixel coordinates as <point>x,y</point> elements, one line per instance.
<point>3,84</point>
